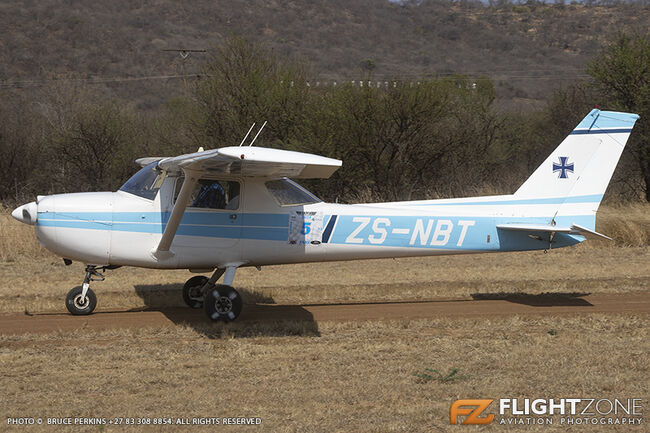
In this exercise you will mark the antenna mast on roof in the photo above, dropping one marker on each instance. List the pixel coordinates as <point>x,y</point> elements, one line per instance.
<point>246,136</point>
<point>258,133</point>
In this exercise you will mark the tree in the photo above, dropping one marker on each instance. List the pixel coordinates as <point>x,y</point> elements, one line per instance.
<point>245,83</point>
<point>98,148</point>
<point>21,156</point>
<point>404,142</point>
<point>385,138</point>
<point>622,73</point>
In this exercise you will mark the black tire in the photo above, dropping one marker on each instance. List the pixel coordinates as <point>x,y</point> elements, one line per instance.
<point>223,303</point>
<point>193,291</point>
<point>76,305</point>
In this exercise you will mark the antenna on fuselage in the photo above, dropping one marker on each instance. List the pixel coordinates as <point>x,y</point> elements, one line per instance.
<point>258,133</point>
<point>246,136</point>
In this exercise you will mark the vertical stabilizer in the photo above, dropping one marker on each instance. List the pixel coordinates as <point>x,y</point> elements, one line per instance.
<point>580,168</point>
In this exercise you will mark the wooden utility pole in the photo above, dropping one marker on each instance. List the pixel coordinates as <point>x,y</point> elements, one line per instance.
<point>185,54</point>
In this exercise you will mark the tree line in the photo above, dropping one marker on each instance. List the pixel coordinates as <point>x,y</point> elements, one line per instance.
<point>441,138</point>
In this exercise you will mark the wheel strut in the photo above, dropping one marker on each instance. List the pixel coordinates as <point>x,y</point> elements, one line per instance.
<point>91,275</point>
<point>230,275</point>
<point>213,279</point>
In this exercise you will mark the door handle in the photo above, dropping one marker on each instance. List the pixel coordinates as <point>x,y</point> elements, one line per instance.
<point>233,216</point>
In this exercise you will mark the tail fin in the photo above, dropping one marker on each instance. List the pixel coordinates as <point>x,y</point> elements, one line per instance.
<point>581,167</point>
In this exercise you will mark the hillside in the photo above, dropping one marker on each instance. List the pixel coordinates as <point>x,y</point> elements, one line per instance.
<point>527,49</point>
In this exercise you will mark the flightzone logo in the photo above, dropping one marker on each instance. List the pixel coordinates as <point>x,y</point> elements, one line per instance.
<point>541,411</point>
<point>472,410</point>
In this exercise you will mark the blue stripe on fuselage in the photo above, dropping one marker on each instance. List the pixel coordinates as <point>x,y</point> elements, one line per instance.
<point>206,224</point>
<point>328,229</point>
<point>199,218</point>
<point>449,233</point>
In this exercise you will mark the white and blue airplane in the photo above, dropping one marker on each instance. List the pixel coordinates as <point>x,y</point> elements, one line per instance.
<point>222,209</point>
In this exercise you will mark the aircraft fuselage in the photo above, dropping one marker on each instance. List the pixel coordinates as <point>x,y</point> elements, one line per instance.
<point>118,228</point>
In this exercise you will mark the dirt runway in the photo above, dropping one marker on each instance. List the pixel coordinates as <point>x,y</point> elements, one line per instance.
<point>475,306</point>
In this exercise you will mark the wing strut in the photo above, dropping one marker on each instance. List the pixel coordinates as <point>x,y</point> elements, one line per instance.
<point>177,213</point>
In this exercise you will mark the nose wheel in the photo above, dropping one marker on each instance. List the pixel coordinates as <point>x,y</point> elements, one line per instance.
<point>80,304</point>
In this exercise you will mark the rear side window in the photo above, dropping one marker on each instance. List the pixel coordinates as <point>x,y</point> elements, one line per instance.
<point>288,193</point>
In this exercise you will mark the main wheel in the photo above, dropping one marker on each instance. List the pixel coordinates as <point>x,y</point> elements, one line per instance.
<point>223,303</point>
<point>78,305</point>
<point>193,291</point>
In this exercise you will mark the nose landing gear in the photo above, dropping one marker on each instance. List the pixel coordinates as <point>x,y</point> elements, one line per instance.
<point>80,304</point>
<point>81,300</point>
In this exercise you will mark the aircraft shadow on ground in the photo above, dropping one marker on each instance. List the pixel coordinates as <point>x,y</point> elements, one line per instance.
<point>260,316</point>
<point>562,299</point>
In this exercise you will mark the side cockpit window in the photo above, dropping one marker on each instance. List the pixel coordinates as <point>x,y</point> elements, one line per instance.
<point>146,182</point>
<point>212,194</point>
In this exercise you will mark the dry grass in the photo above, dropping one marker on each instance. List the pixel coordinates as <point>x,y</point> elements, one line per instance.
<point>41,285</point>
<point>348,377</point>
<point>628,225</point>
<point>312,377</point>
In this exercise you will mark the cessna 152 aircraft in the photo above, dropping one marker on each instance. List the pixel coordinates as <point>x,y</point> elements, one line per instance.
<point>235,206</point>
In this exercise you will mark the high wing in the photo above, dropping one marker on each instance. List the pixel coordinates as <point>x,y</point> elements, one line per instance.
<point>143,162</point>
<point>236,161</point>
<point>574,229</point>
<point>254,162</point>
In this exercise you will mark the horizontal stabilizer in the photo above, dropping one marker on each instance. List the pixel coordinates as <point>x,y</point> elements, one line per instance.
<point>589,233</point>
<point>574,229</point>
<point>534,228</point>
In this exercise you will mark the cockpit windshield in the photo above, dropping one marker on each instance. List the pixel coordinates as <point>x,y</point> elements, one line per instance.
<point>146,182</point>
<point>288,193</point>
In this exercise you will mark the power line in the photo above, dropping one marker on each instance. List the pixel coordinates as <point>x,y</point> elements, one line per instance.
<point>405,78</point>
<point>94,80</point>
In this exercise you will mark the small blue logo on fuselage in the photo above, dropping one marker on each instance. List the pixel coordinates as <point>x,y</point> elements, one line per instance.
<point>563,167</point>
